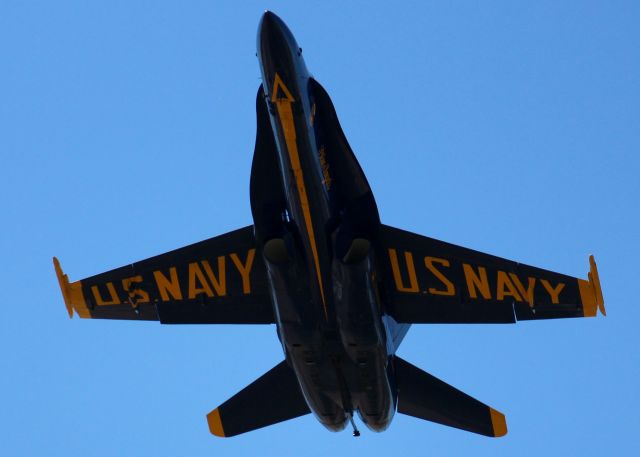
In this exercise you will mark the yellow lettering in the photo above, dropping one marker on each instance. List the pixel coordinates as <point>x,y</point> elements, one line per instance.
<point>506,287</point>
<point>554,292</point>
<point>135,291</point>
<point>245,269</point>
<point>325,166</point>
<point>219,283</point>
<point>196,273</point>
<point>450,289</point>
<point>528,293</point>
<point>395,267</point>
<point>114,299</point>
<point>168,286</point>
<point>475,282</point>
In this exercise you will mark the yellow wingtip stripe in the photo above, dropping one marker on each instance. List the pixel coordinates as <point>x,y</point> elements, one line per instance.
<point>589,306</point>
<point>63,282</point>
<point>215,423</point>
<point>591,292</point>
<point>594,279</point>
<point>498,423</point>
<point>71,293</point>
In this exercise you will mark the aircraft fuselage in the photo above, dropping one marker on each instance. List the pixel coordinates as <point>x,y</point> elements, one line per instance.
<point>321,270</point>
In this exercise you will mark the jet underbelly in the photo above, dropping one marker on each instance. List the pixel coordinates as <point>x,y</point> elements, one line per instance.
<point>318,254</point>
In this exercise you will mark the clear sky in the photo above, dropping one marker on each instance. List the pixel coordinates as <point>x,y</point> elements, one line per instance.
<point>127,129</point>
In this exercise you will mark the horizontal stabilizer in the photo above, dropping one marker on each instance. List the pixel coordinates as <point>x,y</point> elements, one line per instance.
<point>426,397</point>
<point>274,397</point>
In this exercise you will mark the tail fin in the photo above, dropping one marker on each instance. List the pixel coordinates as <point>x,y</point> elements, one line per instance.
<point>426,397</point>
<point>274,397</point>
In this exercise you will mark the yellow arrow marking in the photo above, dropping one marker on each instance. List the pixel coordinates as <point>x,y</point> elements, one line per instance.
<point>286,119</point>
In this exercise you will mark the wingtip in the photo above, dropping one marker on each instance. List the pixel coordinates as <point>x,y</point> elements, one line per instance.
<point>591,292</point>
<point>498,423</point>
<point>215,423</point>
<point>594,279</point>
<point>63,281</point>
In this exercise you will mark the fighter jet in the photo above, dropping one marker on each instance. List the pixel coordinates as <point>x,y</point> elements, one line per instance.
<point>341,287</point>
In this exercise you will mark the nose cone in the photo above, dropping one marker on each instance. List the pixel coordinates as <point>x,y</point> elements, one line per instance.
<point>278,50</point>
<point>273,31</point>
<point>270,20</point>
<point>274,37</point>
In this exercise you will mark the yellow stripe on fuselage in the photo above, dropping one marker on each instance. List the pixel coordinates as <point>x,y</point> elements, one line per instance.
<point>285,114</point>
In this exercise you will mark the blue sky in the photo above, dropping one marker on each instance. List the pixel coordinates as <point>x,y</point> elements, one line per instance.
<point>127,129</point>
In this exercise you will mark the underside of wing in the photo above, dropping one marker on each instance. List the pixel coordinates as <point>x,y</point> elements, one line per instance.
<point>430,281</point>
<point>219,280</point>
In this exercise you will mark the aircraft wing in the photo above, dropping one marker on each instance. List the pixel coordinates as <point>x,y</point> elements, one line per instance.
<point>430,281</point>
<point>216,281</point>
